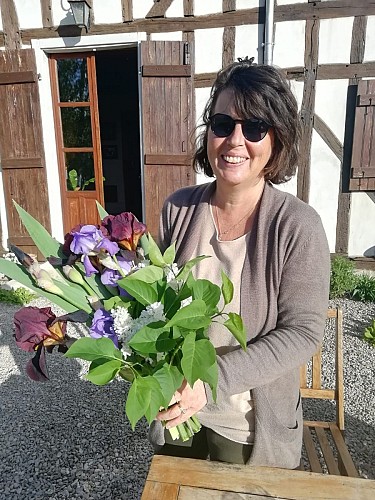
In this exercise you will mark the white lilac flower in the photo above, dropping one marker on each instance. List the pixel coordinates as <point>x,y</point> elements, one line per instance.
<point>126,351</point>
<point>125,326</point>
<point>171,273</point>
<point>122,321</point>
<point>153,312</point>
<point>140,265</point>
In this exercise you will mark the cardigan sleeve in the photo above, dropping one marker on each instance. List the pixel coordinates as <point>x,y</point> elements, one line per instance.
<point>302,302</point>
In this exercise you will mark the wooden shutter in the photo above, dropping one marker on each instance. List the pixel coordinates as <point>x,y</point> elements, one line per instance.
<point>21,146</point>
<point>167,118</point>
<point>363,153</point>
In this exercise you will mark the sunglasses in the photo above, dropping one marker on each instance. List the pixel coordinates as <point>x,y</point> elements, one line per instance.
<point>253,130</point>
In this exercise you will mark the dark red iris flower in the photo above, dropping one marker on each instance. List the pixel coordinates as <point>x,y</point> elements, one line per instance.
<point>124,228</point>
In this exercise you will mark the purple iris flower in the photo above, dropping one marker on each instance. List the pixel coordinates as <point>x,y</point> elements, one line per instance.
<point>85,239</point>
<point>110,276</point>
<point>89,268</point>
<point>102,326</point>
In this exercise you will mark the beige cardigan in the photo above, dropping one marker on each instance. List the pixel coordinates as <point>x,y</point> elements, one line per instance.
<point>284,298</point>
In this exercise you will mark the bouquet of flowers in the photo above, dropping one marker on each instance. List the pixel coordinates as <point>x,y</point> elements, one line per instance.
<point>147,319</point>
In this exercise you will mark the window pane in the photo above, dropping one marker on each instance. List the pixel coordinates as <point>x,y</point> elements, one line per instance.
<point>73,81</point>
<point>76,125</point>
<point>80,172</point>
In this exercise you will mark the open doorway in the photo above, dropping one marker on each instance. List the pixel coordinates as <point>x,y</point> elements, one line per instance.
<point>118,103</point>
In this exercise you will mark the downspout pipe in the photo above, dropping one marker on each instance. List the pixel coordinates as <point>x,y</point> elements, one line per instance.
<point>268,32</point>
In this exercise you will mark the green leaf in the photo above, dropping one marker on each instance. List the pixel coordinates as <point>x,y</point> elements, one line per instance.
<point>197,358</point>
<point>226,288</point>
<point>144,398</point>
<point>144,243</point>
<point>145,341</point>
<point>170,379</point>
<point>19,274</point>
<point>101,211</point>
<point>236,327</point>
<point>208,292</point>
<point>191,317</point>
<point>112,302</point>
<point>94,282</point>
<point>154,253</point>
<point>91,349</point>
<point>141,291</point>
<point>75,294</point>
<point>149,274</point>
<point>103,371</point>
<point>184,272</point>
<point>47,245</point>
<point>170,254</point>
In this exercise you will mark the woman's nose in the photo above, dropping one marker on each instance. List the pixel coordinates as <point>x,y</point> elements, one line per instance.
<point>237,138</point>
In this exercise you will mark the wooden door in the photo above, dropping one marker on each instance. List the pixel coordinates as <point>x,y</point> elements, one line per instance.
<point>21,145</point>
<point>75,103</point>
<point>167,119</point>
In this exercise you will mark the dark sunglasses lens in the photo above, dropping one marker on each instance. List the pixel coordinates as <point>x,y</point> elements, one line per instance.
<point>222,125</point>
<point>254,131</point>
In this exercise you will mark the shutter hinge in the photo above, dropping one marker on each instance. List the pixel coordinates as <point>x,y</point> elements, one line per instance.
<point>186,53</point>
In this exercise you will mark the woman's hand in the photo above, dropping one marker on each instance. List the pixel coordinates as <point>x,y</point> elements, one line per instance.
<point>186,402</point>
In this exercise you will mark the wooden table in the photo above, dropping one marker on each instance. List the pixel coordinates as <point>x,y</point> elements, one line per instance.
<point>172,478</point>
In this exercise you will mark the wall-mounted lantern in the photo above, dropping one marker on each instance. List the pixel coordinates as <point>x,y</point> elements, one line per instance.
<point>81,13</point>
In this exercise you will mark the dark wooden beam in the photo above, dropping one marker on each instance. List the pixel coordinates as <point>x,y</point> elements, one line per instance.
<point>324,10</point>
<point>307,108</point>
<point>229,36</point>
<point>46,7</point>
<point>127,10</point>
<point>188,7</point>
<point>229,5</point>
<point>11,28</point>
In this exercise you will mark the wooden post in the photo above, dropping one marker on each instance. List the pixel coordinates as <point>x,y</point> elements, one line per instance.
<point>11,28</point>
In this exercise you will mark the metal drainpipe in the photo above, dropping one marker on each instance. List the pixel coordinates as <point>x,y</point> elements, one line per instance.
<point>268,32</point>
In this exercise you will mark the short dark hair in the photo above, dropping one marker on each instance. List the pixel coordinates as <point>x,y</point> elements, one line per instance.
<point>263,92</point>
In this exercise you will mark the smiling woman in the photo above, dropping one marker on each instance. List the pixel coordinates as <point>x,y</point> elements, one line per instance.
<point>273,248</point>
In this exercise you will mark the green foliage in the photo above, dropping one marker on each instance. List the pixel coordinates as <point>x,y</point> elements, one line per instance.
<point>164,352</point>
<point>364,289</point>
<point>20,296</point>
<point>369,334</point>
<point>343,279</point>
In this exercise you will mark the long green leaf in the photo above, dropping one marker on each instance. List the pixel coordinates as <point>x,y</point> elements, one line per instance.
<point>148,274</point>
<point>102,370</point>
<point>154,253</point>
<point>192,316</point>
<point>145,341</point>
<point>91,349</point>
<point>170,379</point>
<point>197,358</point>
<point>170,254</point>
<point>141,291</point>
<point>226,288</point>
<point>144,398</point>
<point>74,295</point>
<point>236,327</point>
<point>19,274</point>
<point>208,292</point>
<point>47,245</point>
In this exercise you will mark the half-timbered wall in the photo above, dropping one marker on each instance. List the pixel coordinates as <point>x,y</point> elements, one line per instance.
<point>325,47</point>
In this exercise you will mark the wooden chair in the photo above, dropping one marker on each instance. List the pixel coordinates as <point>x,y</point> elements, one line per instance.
<point>326,439</point>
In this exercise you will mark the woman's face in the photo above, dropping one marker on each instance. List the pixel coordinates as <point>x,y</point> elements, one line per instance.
<point>234,159</point>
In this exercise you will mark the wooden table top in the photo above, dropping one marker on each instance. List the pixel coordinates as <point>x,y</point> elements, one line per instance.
<point>172,478</point>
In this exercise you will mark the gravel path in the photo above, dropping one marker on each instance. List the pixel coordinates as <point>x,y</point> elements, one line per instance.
<point>70,439</point>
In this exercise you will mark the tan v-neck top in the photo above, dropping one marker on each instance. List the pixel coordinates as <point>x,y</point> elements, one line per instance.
<point>232,416</point>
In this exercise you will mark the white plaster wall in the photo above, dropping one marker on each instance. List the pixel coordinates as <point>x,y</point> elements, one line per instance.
<point>362,225</point>
<point>330,104</point>
<point>140,8</point>
<point>289,48</point>
<point>202,7</point>
<point>370,40</point>
<point>61,13</point>
<point>248,41</point>
<point>335,38</point>
<point>29,13</point>
<point>1,23</point>
<point>208,50</point>
<point>3,215</point>
<point>249,4</point>
<point>176,9</point>
<point>324,188</point>
<point>108,11</point>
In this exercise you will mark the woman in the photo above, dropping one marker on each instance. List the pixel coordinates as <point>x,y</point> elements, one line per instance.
<point>274,249</point>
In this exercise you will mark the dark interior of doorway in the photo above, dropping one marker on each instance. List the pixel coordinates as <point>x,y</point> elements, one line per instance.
<point>118,98</point>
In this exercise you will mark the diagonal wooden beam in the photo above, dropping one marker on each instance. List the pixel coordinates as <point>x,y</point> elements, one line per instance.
<point>328,136</point>
<point>159,8</point>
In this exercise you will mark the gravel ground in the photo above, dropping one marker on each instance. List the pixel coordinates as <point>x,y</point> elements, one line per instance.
<point>70,439</point>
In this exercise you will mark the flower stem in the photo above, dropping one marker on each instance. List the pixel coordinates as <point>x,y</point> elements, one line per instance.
<point>120,269</point>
